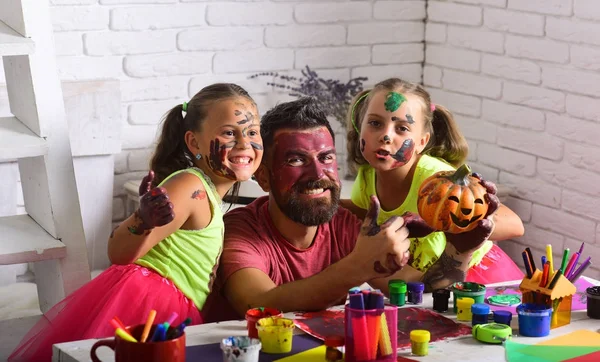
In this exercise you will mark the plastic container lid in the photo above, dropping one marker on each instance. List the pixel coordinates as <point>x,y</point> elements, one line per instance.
<point>415,286</point>
<point>503,313</point>
<point>397,288</point>
<point>334,341</point>
<point>420,335</point>
<point>396,281</point>
<point>480,308</point>
<point>465,302</point>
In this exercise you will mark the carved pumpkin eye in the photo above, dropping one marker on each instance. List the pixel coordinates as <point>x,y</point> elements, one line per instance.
<point>453,198</point>
<point>479,201</point>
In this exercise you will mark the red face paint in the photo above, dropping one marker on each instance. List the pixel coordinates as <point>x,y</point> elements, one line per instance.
<point>404,154</point>
<point>299,157</point>
<point>304,179</point>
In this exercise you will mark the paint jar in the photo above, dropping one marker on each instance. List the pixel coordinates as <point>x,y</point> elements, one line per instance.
<point>254,314</point>
<point>534,320</point>
<point>480,313</point>
<point>475,291</point>
<point>332,353</point>
<point>397,293</point>
<point>440,300</point>
<point>415,292</point>
<point>275,334</point>
<point>240,349</point>
<point>363,342</point>
<point>593,302</point>
<point>419,342</point>
<point>503,317</point>
<point>463,312</point>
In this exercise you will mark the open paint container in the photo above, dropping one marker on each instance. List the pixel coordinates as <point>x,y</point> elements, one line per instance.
<point>475,291</point>
<point>534,320</point>
<point>240,349</point>
<point>593,302</point>
<point>275,334</point>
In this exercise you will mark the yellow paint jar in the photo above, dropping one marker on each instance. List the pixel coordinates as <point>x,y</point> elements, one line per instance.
<point>275,334</point>
<point>419,342</point>
<point>463,309</point>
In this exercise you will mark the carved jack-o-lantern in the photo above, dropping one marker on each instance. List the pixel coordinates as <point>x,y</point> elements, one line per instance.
<point>452,201</point>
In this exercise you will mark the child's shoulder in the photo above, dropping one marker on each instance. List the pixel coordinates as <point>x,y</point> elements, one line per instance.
<point>430,165</point>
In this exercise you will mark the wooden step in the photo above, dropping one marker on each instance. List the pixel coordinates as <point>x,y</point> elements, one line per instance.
<point>18,141</point>
<point>22,240</point>
<point>13,43</point>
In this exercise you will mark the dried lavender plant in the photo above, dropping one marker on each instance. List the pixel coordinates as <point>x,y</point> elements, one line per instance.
<point>333,95</point>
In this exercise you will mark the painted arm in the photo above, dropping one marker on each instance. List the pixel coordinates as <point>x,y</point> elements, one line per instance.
<point>163,210</point>
<point>379,250</point>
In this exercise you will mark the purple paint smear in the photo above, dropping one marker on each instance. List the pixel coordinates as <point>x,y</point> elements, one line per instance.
<point>579,299</point>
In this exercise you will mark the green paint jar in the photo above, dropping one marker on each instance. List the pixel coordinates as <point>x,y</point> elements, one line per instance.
<point>475,291</point>
<point>397,293</point>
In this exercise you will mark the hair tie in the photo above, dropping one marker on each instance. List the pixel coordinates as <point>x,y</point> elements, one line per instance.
<point>432,107</point>
<point>354,108</point>
<point>184,106</point>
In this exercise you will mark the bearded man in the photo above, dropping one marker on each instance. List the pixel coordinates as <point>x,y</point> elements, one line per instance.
<point>296,249</point>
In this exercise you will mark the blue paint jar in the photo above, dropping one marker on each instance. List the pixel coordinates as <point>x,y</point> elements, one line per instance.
<point>534,320</point>
<point>503,317</point>
<point>415,292</point>
<point>480,313</point>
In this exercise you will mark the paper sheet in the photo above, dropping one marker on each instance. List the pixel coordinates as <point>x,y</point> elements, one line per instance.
<point>582,337</point>
<point>517,352</point>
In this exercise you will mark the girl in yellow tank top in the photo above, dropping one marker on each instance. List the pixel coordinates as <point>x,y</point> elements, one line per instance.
<point>398,138</point>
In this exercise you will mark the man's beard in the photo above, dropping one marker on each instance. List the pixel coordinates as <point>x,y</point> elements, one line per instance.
<point>311,212</point>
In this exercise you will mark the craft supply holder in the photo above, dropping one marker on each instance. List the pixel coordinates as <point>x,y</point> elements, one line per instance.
<point>558,298</point>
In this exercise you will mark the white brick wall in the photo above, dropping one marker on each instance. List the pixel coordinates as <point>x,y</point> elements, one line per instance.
<point>522,78</point>
<point>164,51</point>
<point>520,75</point>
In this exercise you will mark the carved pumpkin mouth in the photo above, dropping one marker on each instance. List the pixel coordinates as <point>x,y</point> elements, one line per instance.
<point>463,223</point>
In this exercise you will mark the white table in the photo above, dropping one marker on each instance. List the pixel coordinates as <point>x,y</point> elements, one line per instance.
<point>461,349</point>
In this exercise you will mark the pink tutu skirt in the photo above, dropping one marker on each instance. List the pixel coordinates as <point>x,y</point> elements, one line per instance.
<point>495,267</point>
<point>126,291</point>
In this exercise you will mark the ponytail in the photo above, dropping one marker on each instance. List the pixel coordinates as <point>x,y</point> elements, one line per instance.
<point>171,152</point>
<point>356,113</point>
<point>446,141</point>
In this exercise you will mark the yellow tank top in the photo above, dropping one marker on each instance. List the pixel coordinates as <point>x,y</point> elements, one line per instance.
<point>189,258</point>
<point>425,251</point>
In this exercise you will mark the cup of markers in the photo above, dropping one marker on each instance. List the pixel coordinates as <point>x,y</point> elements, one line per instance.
<point>146,342</point>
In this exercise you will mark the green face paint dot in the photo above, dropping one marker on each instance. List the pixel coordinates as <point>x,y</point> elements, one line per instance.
<point>504,299</point>
<point>393,101</point>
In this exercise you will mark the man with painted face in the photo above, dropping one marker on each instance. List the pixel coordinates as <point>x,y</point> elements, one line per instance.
<point>295,249</point>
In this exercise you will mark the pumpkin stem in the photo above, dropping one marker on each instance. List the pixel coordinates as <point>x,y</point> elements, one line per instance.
<point>461,176</point>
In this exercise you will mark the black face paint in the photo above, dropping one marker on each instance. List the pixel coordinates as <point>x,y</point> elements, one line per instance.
<point>362,145</point>
<point>386,138</point>
<point>256,146</point>
<point>404,154</point>
<point>409,119</point>
<point>237,113</point>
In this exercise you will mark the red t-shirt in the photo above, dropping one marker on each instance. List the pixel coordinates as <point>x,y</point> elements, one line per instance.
<point>252,241</point>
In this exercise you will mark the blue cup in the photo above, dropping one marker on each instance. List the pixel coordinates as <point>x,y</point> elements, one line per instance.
<point>534,320</point>
<point>503,317</point>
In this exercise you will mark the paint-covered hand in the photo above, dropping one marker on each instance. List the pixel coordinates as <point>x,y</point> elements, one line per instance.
<point>417,227</point>
<point>471,240</point>
<point>384,246</point>
<point>155,208</point>
<point>218,153</point>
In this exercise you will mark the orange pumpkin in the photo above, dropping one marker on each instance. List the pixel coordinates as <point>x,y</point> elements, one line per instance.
<point>452,201</point>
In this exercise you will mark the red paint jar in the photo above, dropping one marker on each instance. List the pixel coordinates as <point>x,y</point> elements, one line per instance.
<point>254,314</point>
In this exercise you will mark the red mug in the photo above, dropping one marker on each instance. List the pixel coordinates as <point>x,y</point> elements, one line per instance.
<point>172,350</point>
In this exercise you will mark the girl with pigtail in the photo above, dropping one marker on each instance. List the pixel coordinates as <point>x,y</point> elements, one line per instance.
<point>166,254</point>
<point>396,139</point>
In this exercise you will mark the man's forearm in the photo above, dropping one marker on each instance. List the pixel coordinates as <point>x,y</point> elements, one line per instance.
<point>318,292</point>
<point>451,267</point>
